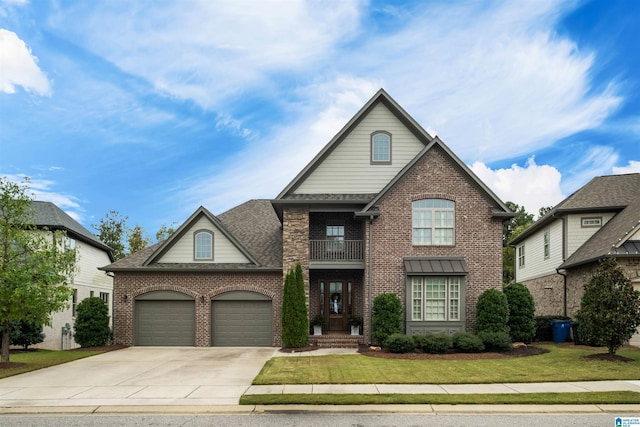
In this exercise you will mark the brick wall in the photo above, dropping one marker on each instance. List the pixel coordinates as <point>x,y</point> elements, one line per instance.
<point>478,236</point>
<point>195,285</point>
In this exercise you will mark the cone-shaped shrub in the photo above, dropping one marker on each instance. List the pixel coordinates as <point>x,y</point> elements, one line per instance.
<point>492,312</point>
<point>522,322</point>
<point>386,316</point>
<point>92,323</point>
<point>295,318</point>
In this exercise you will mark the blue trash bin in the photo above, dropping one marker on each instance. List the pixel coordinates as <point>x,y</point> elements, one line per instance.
<point>560,329</point>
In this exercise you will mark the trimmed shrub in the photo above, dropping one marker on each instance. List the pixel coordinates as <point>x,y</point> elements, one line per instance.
<point>492,312</point>
<point>543,327</point>
<point>386,317</point>
<point>495,341</point>
<point>522,324</point>
<point>92,323</point>
<point>24,334</point>
<point>433,343</point>
<point>467,343</point>
<point>610,309</point>
<point>295,318</point>
<point>399,343</point>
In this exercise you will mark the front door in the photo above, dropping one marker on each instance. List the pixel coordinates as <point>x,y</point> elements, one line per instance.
<point>335,306</point>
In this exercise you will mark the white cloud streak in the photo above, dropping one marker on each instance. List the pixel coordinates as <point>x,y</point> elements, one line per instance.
<point>632,167</point>
<point>20,66</point>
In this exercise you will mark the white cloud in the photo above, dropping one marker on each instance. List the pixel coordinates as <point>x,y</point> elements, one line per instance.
<point>632,167</point>
<point>596,160</point>
<point>43,190</point>
<point>209,51</point>
<point>532,186</point>
<point>20,66</point>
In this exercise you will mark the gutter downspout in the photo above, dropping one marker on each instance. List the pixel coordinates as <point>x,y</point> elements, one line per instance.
<point>564,272</point>
<point>564,290</point>
<point>370,287</point>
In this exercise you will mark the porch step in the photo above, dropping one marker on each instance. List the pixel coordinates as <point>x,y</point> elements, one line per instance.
<point>336,341</point>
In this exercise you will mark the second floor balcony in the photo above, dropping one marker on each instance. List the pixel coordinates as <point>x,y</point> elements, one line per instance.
<point>336,254</point>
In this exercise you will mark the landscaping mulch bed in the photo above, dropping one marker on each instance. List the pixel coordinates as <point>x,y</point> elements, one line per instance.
<point>514,352</point>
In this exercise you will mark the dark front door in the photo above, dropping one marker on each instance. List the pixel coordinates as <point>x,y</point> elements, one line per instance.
<point>335,306</point>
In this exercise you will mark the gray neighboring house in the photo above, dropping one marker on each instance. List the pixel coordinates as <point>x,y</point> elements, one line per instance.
<point>559,253</point>
<point>88,280</point>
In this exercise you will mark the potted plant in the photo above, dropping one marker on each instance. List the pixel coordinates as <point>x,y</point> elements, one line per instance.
<point>318,323</point>
<point>355,322</point>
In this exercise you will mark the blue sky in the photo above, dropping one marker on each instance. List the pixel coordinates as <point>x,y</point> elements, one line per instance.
<point>153,108</point>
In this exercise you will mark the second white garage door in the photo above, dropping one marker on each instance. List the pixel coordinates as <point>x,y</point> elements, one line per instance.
<point>241,319</point>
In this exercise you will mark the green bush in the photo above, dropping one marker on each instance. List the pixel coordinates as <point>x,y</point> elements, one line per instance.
<point>495,341</point>
<point>399,343</point>
<point>24,334</point>
<point>433,343</point>
<point>386,317</point>
<point>467,343</point>
<point>295,318</point>
<point>522,324</point>
<point>92,323</point>
<point>492,312</point>
<point>610,308</point>
<point>544,332</point>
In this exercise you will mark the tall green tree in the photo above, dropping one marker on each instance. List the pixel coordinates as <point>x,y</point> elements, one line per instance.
<point>610,309</point>
<point>35,265</point>
<point>111,230</point>
<point>511,229</point>
<point>295,317</point>
<point>137,239</point>
<point>164,232</point>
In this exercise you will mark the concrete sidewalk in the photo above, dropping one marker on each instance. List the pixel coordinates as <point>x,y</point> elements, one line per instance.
<point>506,388</point>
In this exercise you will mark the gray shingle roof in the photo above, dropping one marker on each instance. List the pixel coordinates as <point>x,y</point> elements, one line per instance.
<point>611,193</point>
<point>49,215</point>
<point>253,224</point>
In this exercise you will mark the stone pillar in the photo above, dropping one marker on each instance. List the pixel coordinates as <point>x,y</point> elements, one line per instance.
<point>295,242</point>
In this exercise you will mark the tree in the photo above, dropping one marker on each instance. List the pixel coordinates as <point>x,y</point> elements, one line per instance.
<point>35,266</point>
<point>543,211</point>
<point>511,229</point>
<point>92,323</point>
<point>295,317</point>
<point>610,308</point>
<point>111,231</point>
<point>522,322</point>
<point>164,232</point>
<point>386,316</point>
<point>492,312</point>
<point>137,239</point>
<point>26,334</point>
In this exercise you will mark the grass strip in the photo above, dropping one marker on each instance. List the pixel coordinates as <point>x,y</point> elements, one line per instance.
<point>585,398</point>
<point>561,364</point>
<point>42,359</point>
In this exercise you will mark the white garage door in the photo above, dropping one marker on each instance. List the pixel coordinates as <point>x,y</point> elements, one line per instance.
<point>165,322</point>
<point>241,322</point>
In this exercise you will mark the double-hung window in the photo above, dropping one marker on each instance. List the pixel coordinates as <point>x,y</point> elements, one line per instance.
<point>203,245</point>
<point>547,241</point>
<point>335,237</point>
<point>521,256</point>
<point>433,222</point>
<point>435,298</point>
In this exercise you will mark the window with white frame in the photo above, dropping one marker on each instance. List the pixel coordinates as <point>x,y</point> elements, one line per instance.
<point>381,147</point>
<point>335,236</point>
<point>203,245</point>
<point>433,222</point>
<point>588,222</point>
<point>521,256</point>
<point>435,298</point>
<point>104,296</point>
<point>547,240</point>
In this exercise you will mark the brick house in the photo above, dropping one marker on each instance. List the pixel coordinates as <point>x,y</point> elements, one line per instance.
<point>559,253</point>
<point>384,207</point>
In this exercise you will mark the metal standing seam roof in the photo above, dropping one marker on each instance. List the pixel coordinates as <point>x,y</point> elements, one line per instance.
<point>451,266</point>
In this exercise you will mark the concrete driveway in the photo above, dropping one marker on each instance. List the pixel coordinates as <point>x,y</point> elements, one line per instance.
<point>141,376</point>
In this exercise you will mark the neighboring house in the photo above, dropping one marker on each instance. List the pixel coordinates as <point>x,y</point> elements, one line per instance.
<point>559,253</point>
<point>384,207</point>
<point>88,280</point>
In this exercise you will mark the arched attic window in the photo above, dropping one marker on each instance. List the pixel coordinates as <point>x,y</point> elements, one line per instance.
<point>380,147</point>
<point>203,245</point>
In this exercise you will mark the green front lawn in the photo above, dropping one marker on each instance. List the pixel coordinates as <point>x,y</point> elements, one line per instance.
<point>560,364</point>
<point>41,359</point>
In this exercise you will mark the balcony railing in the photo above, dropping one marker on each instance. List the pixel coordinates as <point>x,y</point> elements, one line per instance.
<point>336,250</point>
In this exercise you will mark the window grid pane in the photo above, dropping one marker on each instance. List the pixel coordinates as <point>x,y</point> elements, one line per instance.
<point>203,246</point>
<point>381,148</point>
<point>433,222</point>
